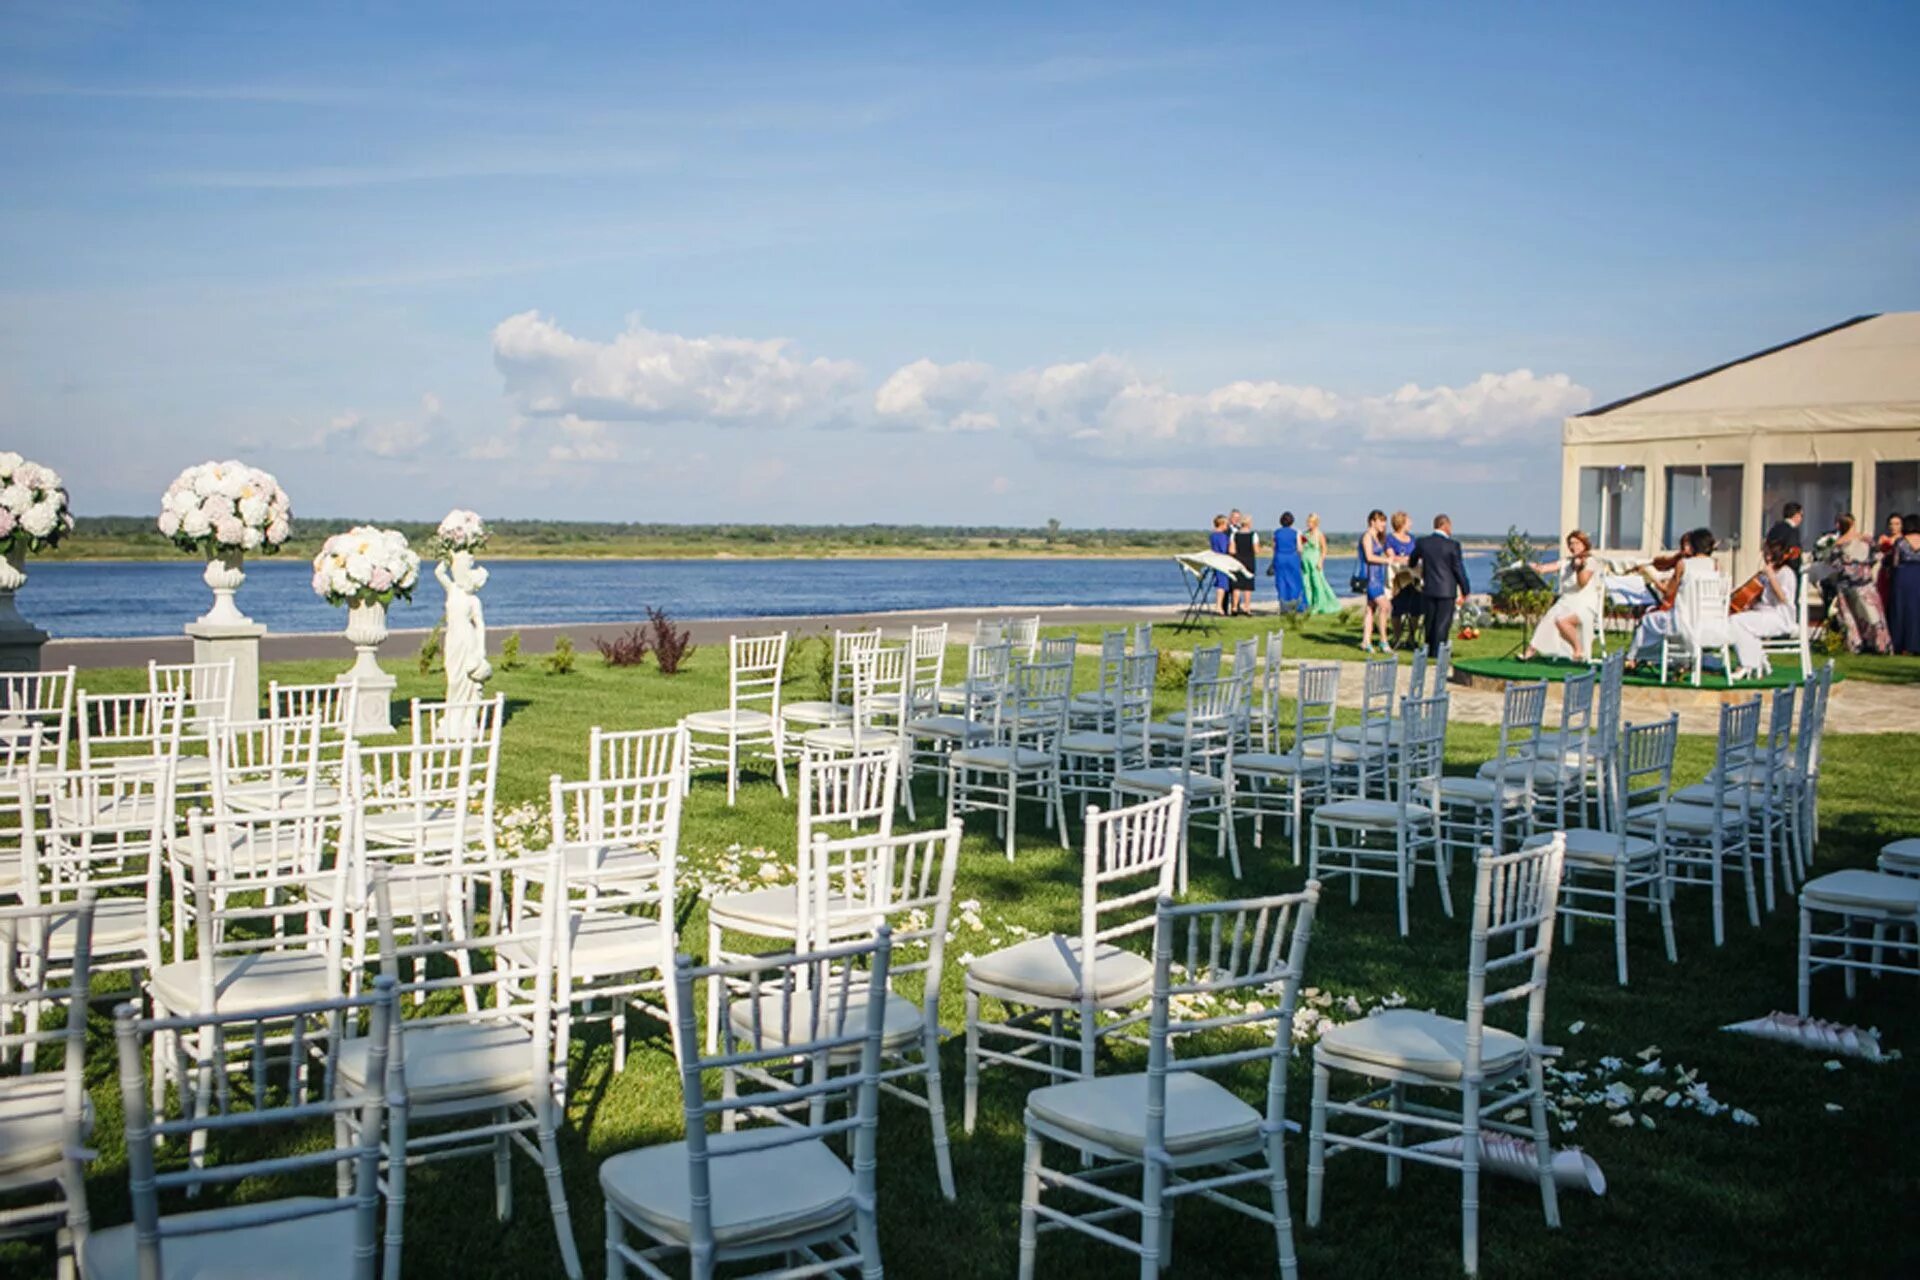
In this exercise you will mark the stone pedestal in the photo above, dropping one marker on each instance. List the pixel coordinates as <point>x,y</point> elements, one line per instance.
<point>218,641</point>
<point>373,704</point>
<point>20,640</point>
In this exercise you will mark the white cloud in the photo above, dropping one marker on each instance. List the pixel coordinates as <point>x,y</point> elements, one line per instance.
<point>388,437</point>
<point>930,395</point>
<point>645,375</point>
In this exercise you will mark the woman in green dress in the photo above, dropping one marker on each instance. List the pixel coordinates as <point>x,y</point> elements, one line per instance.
<point>1313,554</point>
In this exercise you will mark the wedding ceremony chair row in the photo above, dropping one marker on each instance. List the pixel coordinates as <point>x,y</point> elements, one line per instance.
<point>1020,757</point>
<point>476,1077</point>
<point>1495,810</point>
<point>45,1118</point>
<point>779,1191</point>
<point>302,1235</point>
<point>1609,866</point>
<point>1703,836</point>
<point>1288,784</point>
<point>848,791</point>
<point>837,707</point>
<point>1202,770</point>
<point>1175,1126</point>
<point>1391,838</point>
<point>1116,740</point>
<point>1052,990</point>
<point>854,887</point>
<point>1489,1071</point>
<point>749,726</point>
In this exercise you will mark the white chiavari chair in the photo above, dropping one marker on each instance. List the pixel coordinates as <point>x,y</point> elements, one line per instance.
<point>1023,758</point>
<point>270,764</point>
<point>334,705</point>
<point>1556,765</point>
<point>1362,755</point>
<point>1090,758</point>
<point>40,700</point>
<point>1024,634</point>
<point>1493,811</point>
<point>1092,709</point>
<point>1175,1126</point>
<point>1288,784</point>
<point>1391,838</point>
<point>206,692</point>
<point>749,726</point>
<point>882,696</point>
<point>1487,1070</point>
<point>476,725</point>
<point>927,650</point>
<point>966,710</point>
<point>837,707</point>
<point>30,761</point>
<point>1052,990</point>
<point>1202,769</point>
<point>1702,837</point>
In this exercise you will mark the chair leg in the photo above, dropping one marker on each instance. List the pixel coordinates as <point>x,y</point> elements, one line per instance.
<point>1396,1132</point>
<point>1620,921</point>
<point>557,1201</point>
<point>1317,1145</point>
<point>1806,962</point>
<point>1156,1221</point>
<point>1542,1145</point>
<point>733,768</point>
<point>713,989</point>
<point>1282,1211</point>
<point>502,1171</point>
<point>937,1113</point>
<point>1029,1202</point>
<point>616,1233</point>
<point>1665,888</point>
<point>1470,1180</point>
<point>971,1080</point>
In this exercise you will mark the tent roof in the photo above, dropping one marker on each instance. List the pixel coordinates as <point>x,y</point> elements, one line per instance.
<point>1860,375</point>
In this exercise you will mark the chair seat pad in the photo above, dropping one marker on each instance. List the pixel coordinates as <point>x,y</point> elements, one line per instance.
<point>262,980</point>
<point>1475,791</point>
<point>600,943</point>
<point>232,1243</point>
<point>1427,1044</point>
<point>453,1060</point>
<point>1090,744</point>
<point>605,862</point>
<point>1051,968</point>
<point>1002,758</point>
<point>11,869</point>
<point>434,824</point>
<point>1091,701</point>
<point>33,1126</point>
<point>1585,844</point>
<point>744,720</point>
<point>1165,780</point>
<point>1394,732</point>
<point>958,728</point>
<point>120,809</point>
<point>1275,762</point>
<point>1538,773</point>
<point>795,1022</point>
<point>840,737</point>
<point>815,712</point>
<point>1364,813</point>
<point>756,1194</point>
<point>119,926</point>
<point>1112,1110</point>
<point>1338,751</point>
<point>262,797</point>
<point>1700,819</point>
<point>1897,856</point>
<point>1855,887</point>
<point>1706,794</point>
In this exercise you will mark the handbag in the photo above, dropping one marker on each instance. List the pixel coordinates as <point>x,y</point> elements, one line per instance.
<point>1357,584</point>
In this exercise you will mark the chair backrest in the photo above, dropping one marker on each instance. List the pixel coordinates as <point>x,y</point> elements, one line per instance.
<point>1205,664</point>
<point>754,669</point>
<point>1576,722</point>
<point>1606,738</point>
<point>989,668</point>
<point>1025,635</point>
<point>1776,753</point>
<point>356,1212</point>
<point>1736,754</point>
<point>1516,899</point>
<point>1423,749</point>
<point>1416,676</point>
<point>881,690</point>
<point>128,730</point>
<point>415,799</point>
<point>800,1012</point>
<point>41,699</point>
<point>1035,709</point>
<point>206,689</point>
<point>848,648</point>
<point>1113,647</point>
<point>1246,651</point>
<point>1129,865</point>
<point>847,791</point>
<point>1131,706</point>
<point>37,983</point>
<point>988,632</point>
<point>1813,721</point>
<point>1643,776</point>
<point>1255,948</point>
<point>1143,637</point>
<point>1212,722</point>
<point>1057,649</point>
<point>1700,608</point>
<point>639,808</point>
<point>330,703</point>
<point>904,882</point>
<point>1521,709</point>
<point>477,719</point>
<point>1439,669</point>
<point>1376,692</point>
<point>629,754</point>
<point>1314,704</point>
<point>1267,696</point>
<point>278,756</point>
<point>928,649</point>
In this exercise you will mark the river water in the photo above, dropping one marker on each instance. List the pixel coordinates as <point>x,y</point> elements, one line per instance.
<point>99,599</point>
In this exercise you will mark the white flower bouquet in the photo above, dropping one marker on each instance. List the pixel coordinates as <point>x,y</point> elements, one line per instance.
<point>366,565</point>
<point>222,507</point>
<point>33,506</point>
<point>462,530</point>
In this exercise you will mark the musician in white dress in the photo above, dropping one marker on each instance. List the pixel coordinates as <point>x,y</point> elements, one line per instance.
<point>1774,614</point>
<point>1570,625</point>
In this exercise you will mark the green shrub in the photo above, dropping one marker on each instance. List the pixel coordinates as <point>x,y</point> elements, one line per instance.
<point>432,649</point>
<point>560,661</point>
<point>510,659</point>
<point>1175,668</point>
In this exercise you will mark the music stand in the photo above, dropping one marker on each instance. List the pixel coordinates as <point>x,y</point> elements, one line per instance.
<point>1200,566</point>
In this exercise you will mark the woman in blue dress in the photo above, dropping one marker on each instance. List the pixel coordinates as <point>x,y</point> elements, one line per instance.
<point>1906,588</point>
<point>1220,542</point>
<point>1376,563</point>
<point>1289,581</point>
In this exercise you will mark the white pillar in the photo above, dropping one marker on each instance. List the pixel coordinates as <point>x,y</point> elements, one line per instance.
<point>240,641</point>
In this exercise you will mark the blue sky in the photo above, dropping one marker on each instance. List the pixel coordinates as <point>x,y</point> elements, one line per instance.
<point>980,264</point>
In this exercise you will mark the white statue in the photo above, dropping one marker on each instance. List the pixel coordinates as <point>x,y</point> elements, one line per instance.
<point>466,643</point>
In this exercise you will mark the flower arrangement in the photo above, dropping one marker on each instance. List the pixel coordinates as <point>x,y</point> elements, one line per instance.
<point>462,530</point>
<point>222,507</point>
<point>365,565</point>
<point>33,506</point>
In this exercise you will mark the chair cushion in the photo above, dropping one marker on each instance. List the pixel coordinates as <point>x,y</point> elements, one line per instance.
<point>1090,744</point>
<point>1002,758</point>
<point>815,712</point>
<point>1340,752</point>
<point>1475,791</point>
<point>261,797</point>
<point>1539,773</point>
<point>1050,968</point>
<point>33,1124</point>
<point>1898,857</point>
<point>233,1244</point>
<point>1427,1044</point>
<point>262,980</point>
<point>1163,780</point>
<point>602,943</point>
<point>1873,890</point>
<point>1584,844</point>
<point>433,823</point>
<point>453,1060</point>
<point>119,926</point>
<point>902,1022</point>
<point>745,720</point>
<point>607,862</point>
<point>1112,1110</point>
<point>1705,793</point>
<point>124,809</point>
<point>839,737</point>
<point>1360,813</point>
<point>1698,819</point>
<point>1394,731</point>
<point>1288,763</point>
<point>958,728</point>
<point>756,1194</point>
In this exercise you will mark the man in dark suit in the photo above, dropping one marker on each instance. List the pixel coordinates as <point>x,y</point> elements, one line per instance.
<point>1443,581</point>
<point>1786,532</point>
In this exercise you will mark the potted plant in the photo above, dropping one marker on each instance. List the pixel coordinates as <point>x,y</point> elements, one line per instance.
<point>223,510</point>
<point>33,517</point>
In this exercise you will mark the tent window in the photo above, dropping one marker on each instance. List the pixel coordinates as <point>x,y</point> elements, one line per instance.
<point>1613,505</point>
<point>1896,491</point>
<point>1823,489</point>
<point>1707,496</point>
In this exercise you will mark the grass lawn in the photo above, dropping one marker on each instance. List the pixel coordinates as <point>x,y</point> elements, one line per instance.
<point>1809,1190</point>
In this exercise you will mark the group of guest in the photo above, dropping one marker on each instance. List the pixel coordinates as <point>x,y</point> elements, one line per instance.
<point>1875,605</point>
<point>1411,585</point>
<point>1233,537</point>
<point>1298,568</point>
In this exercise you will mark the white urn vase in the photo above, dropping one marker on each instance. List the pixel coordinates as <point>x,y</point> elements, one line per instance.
<point>224,574</point>
<point>13,576</point>
<point>367,631</point>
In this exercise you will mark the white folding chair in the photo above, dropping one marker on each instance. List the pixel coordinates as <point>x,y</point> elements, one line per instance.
<point>45,1119</point>
<point>836,708</point>
<point>1390,838</point>
<point>1175,1126</point>
<point>206,692</point>
<point>317,1235</point>
<point>1494,810</point>
<point>750,724</point>
<point>1702,836</point>
<point>1491,1071</point>
<point>1090,758</point>
<point>1700,625</point>
<point>1203,769</point>
<point>1023,758</point>
<point>1042,983</point>
<point>780,1191</point>
<point>1287,784</point>
<point>1608,867</point>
